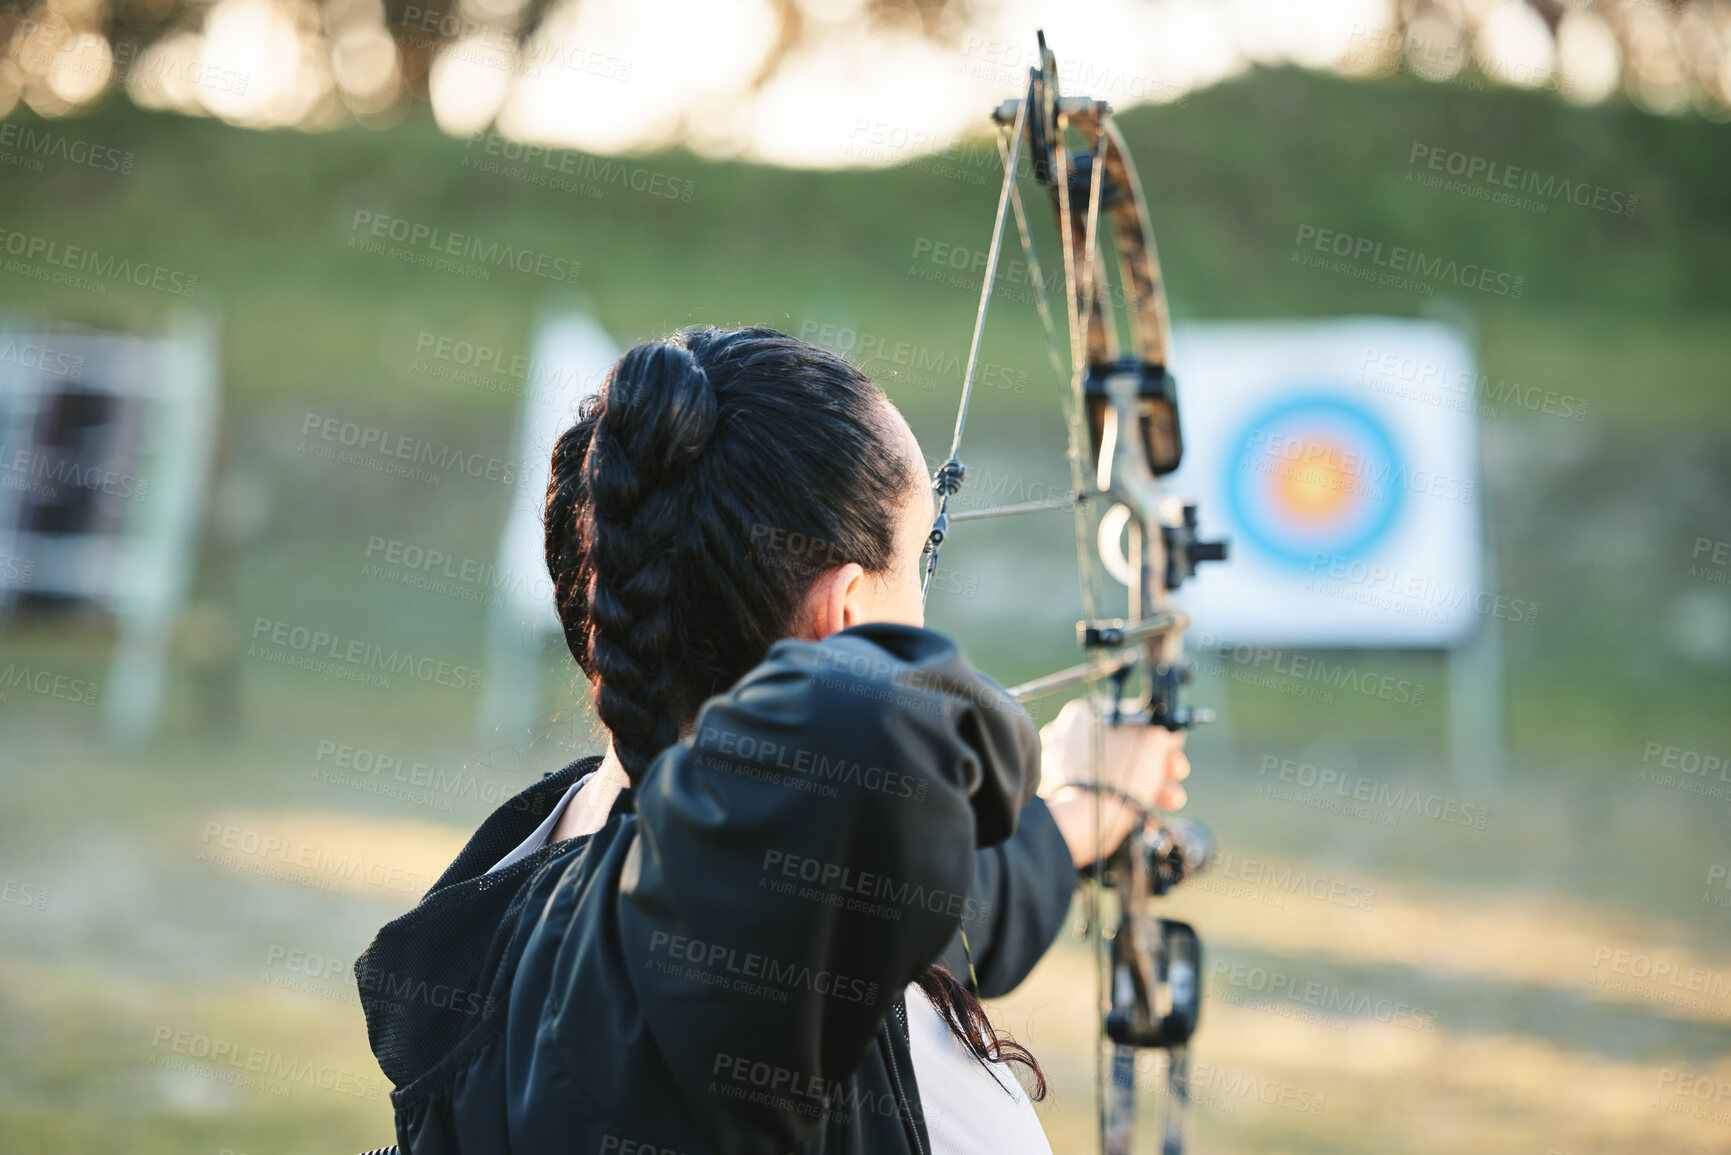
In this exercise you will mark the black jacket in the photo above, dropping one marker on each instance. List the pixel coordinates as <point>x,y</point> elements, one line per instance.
<point>720,967</point>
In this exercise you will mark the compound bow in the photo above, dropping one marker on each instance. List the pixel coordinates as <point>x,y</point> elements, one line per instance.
<point>1122,413</point>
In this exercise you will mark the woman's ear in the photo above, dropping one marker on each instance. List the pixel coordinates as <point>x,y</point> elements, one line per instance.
<point>837,599</point>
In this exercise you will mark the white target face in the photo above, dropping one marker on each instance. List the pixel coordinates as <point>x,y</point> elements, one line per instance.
<point>1340,458</point>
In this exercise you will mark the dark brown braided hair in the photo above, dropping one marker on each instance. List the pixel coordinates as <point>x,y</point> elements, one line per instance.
<point>715,475</point>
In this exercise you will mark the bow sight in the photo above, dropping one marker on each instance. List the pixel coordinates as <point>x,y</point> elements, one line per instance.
<point>1122,409</point>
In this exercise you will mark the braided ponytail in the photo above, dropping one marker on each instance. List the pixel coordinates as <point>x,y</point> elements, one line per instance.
<point>672,505</point>
<point>651,423</point>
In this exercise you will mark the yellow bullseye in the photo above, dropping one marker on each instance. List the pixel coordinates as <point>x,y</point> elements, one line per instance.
<point>1318,485</point>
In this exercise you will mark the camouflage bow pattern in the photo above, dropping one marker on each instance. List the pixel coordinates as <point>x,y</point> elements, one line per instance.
<point>1121,409</point>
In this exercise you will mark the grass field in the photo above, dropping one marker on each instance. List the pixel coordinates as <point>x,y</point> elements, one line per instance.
<point>125,940</point>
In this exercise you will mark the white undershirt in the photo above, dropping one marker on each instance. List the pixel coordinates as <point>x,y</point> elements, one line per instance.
<point>538,837</point>
<point>971,1108</point>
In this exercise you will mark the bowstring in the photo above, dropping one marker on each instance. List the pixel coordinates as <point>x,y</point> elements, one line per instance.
<point>949,475</point>
<point>1040,302</point>
<point>1074,416</point>
<point>1080,315</point>
<point>1087,570</point>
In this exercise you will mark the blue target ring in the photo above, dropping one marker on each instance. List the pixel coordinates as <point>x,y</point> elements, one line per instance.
<point>1314,474</point>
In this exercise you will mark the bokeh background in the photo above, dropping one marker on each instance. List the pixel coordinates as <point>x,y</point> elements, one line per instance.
<point>185,887</point>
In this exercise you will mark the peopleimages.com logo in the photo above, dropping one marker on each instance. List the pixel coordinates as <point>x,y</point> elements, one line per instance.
<point>430,245</point>
<point>325,652</point>
<point>1411,265</point>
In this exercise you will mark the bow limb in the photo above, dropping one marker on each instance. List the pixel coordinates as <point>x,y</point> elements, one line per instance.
<point>1139,261</point>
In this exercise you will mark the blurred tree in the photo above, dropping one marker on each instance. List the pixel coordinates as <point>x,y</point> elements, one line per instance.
<point>317,63</point>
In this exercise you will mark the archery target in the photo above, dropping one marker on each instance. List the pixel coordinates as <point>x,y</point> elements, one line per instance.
<point>1339,460</point>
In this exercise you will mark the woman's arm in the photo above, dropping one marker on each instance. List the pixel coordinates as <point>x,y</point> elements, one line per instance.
<point>803,856</point>
<point>1021,895</point>
<point>1022,888</point>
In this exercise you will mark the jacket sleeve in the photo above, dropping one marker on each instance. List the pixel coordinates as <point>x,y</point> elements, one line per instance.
<point>803,856</point>
<point>1020,898</point>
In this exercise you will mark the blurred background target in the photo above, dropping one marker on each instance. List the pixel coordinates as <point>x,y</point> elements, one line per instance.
<point>1336,457</point>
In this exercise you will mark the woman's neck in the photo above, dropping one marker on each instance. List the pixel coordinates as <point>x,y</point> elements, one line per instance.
<point>588,812</point>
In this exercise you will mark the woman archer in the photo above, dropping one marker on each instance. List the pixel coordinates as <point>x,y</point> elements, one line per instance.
<point>737,929</point>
